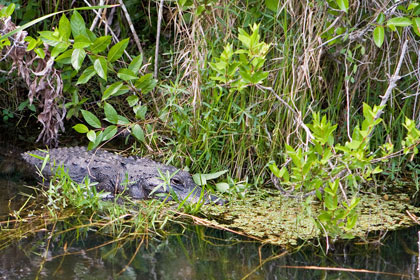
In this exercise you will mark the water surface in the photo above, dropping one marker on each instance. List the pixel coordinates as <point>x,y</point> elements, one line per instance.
<point>198,253</point>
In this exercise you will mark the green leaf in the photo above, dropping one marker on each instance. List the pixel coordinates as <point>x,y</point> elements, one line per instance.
<point>110,113</point>
<point>211,176</point>
<point>132,100</point>
<point>65,57</point>
<point>91,119</point>
<point>32,43</point>
<point>40,52</point>
<point>222,187</point>
<point>100,44</point>
<point>81,42</point>
<point>146,83</point>
<point>330,201</point>
<point>101,67</point>
<point>77,23</point>
<point>98,140</point>
<point>49,37</point>
<point>109,132</point>
<point>123,120</point>
<point>416,25</point>
<point>274,169</point>
<point>378,36</point>
<point>354,144</point>
<point>59,48</point>
<point>91,135</point>
<point>64,28</point>
<point>200,9</point>
<point>343,5</point>
<point>136,64</point>
<point>77,58</point>
<point>272,5</point>
<point>244,37</point>
<point>416,11</point>
<point>117,50</point>
<point>92,37</point>
<point>381,18</point>
<point>10,9</point>
<point>124,89</point>
<point>138,132</point>
<point>140,111</point>
<point>126,74</point>
<point>199,179</point>
<point>81,128</point>
<point>87,74</point>
<point>351,221</point>
<point>399,21</point>
<point>111,90</point>
<point>412,6</point>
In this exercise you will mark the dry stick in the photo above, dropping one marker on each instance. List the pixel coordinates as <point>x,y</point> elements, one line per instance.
<point>155,72</point>
<point>132,257</point>
<point>392,81</point>
<point>98,16</point>
<point>133,30</point>
<point>158,38</point>
<point>342,269</point>
<point>298,117</point>
<point>264,262</point>
<point>347,101</point>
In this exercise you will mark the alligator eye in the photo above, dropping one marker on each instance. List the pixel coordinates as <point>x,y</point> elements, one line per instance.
<point>176,181</point>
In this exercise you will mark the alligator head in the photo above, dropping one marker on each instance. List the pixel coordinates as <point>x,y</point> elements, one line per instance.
<point>147,178</point>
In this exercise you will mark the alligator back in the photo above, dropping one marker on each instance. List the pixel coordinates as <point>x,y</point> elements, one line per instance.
<point>137,177</point>
<point>76,160</point>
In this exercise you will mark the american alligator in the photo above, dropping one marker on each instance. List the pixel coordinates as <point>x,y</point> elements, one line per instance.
<point>136,177</point>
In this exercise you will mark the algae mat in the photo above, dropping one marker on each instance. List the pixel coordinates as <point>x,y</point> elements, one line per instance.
<point>279,220</point>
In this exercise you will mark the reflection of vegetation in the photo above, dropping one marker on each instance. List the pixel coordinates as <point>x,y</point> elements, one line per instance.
<point>200,253</point>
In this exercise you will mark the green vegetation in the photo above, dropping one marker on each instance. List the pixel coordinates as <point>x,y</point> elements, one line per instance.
<point>322,95</point>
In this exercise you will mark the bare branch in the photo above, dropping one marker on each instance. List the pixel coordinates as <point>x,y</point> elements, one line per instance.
<point>393,80</point>
<point>158,38</point>
<point>133,30</point>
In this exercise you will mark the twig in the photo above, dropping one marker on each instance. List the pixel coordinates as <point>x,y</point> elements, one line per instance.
<point>298,117</point>
<point>347,100</point>
<point>392,81</point>
<point>158,38</point>
<point>98,16</point>
<point>343,269</point>
<point>133,30</point>
<point>396,154</point>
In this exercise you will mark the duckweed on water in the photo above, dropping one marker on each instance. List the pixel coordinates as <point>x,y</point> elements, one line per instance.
<point>283,221</point>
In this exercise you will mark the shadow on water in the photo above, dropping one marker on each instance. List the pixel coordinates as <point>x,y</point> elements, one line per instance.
<point>196,253</point>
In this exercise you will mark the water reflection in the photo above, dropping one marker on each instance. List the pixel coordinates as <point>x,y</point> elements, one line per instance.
<point>205,254</point>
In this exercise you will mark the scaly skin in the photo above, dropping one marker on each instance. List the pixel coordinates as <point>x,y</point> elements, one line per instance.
<point>112,172</point>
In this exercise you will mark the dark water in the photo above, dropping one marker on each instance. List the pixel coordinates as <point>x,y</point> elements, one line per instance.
<point>199,253</point>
